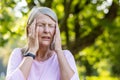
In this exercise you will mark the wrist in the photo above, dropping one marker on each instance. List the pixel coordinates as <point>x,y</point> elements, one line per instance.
<point>29,54</point>
<point>59,50</point>
<point>31,51</point>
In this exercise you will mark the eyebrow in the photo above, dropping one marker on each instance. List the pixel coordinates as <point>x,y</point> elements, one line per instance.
<point>43,22</point>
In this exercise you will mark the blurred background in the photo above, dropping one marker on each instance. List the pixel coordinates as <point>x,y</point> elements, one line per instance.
<point>90,29</point>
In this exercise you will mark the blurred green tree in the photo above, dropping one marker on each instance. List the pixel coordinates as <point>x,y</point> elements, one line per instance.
<point>89,28</point>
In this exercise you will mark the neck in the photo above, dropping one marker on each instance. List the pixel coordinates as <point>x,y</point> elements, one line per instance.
<point>43,54</point>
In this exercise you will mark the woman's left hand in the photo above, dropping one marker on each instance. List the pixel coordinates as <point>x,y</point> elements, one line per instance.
<point>57,37</point>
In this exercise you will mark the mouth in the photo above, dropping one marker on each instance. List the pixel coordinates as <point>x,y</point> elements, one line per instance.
<point>46,38</point>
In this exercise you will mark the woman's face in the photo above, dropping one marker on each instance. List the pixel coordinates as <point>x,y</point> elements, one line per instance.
<point>46,29</point>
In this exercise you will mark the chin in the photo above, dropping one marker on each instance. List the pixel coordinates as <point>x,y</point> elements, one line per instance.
<point>45,44</point>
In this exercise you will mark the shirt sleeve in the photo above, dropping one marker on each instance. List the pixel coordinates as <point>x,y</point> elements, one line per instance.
<point>13,72</point>
<point>72,64</point>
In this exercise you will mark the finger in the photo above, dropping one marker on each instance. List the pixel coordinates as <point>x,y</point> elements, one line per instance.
<point>32,28</point>
<point>53,42</point>
<point>36,32</point>
<point>36,36</point>
<point>55,37</point>
<point>57,31</point>
<point>58,39</point>
<point>52,46</point>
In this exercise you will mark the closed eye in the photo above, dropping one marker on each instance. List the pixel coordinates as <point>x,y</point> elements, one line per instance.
<point>51,26</point>
<point>40,25</point>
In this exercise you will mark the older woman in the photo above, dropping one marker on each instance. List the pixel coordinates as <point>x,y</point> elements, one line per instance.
<point>43,58</point>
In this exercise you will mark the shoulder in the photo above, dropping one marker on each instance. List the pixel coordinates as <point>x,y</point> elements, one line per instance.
<point>16,53</point>
<point>67,54</point>
<point>70,58</point>
<point>16,50</point>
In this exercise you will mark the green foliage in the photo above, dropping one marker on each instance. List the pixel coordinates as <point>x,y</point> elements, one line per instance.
<point>97,56</point>
<point>102,78</point>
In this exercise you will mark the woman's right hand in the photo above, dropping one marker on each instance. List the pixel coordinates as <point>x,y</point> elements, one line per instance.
<point>33,42</point>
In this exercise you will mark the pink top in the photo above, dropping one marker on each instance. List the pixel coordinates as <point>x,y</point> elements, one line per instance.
<point>46,70</point>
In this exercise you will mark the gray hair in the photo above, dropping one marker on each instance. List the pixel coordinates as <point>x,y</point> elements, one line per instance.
<point>33,14</point>
<point>44,10</point>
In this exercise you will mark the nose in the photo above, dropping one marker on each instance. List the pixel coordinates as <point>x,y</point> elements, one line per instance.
<point>46,29</point>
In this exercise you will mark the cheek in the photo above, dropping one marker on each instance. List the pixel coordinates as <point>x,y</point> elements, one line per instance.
<point>40,31</point>
<point>39,34</point>
<point>52,31</point>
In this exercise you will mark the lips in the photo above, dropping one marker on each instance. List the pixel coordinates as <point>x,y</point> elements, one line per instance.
<point>46,38</point>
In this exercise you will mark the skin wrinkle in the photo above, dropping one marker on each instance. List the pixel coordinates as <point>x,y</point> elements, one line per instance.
<point>43,10</point>
<point>41,20</point>
<point>44,30</point>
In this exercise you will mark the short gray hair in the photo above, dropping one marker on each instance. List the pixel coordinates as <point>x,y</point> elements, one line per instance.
<point>44,10</point>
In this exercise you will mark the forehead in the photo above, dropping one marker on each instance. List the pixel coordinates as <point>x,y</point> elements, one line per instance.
<point>42,18</point>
